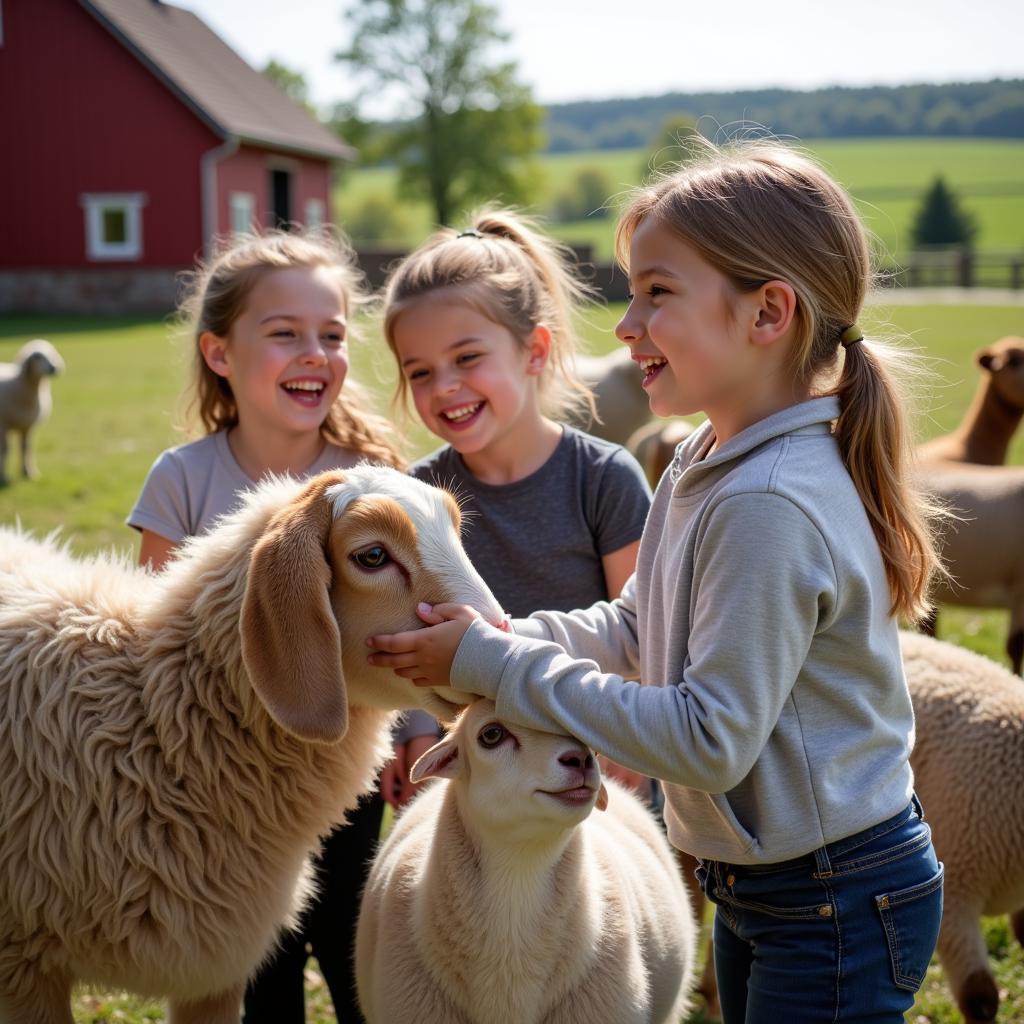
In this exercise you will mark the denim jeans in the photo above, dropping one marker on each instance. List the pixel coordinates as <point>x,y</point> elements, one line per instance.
<point>843,934</point>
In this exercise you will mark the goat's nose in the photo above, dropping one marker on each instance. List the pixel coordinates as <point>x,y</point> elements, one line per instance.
<point>578,758</point>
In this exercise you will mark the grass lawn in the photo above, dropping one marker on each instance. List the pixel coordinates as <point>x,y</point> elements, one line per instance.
<point>115,409</point>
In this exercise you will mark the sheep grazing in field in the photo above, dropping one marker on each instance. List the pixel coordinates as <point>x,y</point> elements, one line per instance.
<point>25,398</point>
<point>654,445</point>
<point>988,426</point>
<point>499,899</point>
<point>173,746</point>
<point>621,401</point>
<point>983,548</point>
<point>968,763</point>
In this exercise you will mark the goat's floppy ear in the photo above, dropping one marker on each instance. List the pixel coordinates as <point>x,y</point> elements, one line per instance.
<point>602,798</point>
<point>291,645</point>
<point>442,761</point>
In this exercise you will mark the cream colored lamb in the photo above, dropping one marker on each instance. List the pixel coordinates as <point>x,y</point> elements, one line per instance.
<point>498,898</point>
<point>988,426</point>
<point>968,763</point>
<point>622,403</point>
<point>984,547</point>
<point>25,399</point>
<point>172,746</point>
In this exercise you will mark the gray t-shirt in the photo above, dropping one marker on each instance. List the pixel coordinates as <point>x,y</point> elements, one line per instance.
<point>189,486</point>
<point>538,542</point>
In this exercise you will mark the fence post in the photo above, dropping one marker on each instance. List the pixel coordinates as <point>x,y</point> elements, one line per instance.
<point>965,265</point>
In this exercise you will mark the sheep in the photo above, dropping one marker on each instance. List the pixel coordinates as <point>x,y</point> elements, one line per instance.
<point>654,445</point>
<point>25,398</point>
<point>983,548</point>
<point>988,425</point>
<point>622,404</point>
<point>497,900</point>
<point>173,745</point>
<point>968,760</point>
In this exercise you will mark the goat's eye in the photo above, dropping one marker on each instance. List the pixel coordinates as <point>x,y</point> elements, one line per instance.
<point>372,558</point>
<point>491,735</point>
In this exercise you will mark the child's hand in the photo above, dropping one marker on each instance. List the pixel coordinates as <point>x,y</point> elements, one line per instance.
<point>425,655</point>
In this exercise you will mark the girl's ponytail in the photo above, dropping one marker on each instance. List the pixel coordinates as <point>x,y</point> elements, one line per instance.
<point>874,439</point>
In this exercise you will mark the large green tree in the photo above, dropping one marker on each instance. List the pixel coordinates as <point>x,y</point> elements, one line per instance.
<point>471,123</point>
<point>940,220</point>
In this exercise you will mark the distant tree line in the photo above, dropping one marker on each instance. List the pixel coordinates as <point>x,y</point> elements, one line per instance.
<point>993,109</point>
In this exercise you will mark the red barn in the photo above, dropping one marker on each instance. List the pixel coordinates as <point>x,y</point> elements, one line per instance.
<point>132,136</point>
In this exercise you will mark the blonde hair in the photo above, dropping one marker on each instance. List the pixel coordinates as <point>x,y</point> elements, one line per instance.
<point>510,273</point>
<point>759,211</point>
<point>215,297</point>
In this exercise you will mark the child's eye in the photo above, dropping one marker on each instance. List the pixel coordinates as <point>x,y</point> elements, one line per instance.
<point>335,340</point>
<point>416,375</point>
<point>656,290</point>
<point>282,332</point>
<point>467,357</point>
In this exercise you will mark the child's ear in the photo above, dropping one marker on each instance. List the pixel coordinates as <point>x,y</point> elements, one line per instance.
<point>774,313</point>
<point>214,349</point>
<point>538,348</point>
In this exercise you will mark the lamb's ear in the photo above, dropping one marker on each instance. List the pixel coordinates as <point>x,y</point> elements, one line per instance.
<point>291,646</point>
<point>602,798</point>
<point>442,761</point>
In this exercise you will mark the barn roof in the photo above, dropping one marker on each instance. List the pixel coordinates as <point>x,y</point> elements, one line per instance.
<point>229,95</point>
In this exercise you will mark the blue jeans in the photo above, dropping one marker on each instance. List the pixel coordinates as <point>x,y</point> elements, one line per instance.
<point>842,934</point>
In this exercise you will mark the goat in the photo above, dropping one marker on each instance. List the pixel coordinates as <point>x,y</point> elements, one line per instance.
<point>25,398</point>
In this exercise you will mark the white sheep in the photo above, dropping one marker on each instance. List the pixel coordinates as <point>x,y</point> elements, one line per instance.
<point>987,428</point>
<point>968,763</point>
<point>172,746</point>
<point>25,398</point>
<point>622,403</point>
<point>499,899</point>
<point>983,548</point>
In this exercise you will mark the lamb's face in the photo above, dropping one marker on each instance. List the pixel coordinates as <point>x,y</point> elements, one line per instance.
<point>41,359</point>
<point>395,543</point>
<point>515,783</point>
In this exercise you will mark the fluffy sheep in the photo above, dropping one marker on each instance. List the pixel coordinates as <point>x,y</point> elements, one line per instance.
<point>622,404</point>
<point>25,398</point>
<point>499,899</point>
<point>173,746</point>
<point>654,445</point>
<point>968,765</point>
<point>983,548</point>
<point>988,426</point>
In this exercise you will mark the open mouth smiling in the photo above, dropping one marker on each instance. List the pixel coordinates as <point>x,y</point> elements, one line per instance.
<point>308,392</point>
<point>461,414</point>
<point>651,367</point>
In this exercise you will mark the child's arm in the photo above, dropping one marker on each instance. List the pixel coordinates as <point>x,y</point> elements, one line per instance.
<point>618,567</point>
<point>155,551</point>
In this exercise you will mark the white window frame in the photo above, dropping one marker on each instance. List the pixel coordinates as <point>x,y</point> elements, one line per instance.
<point>242,207</point>
<point>315,211</point>
<point>130,204</point>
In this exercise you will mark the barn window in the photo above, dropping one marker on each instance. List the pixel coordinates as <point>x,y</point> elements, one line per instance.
<point>113,225</point>
<point>314,213</point>
<point>243,210</point>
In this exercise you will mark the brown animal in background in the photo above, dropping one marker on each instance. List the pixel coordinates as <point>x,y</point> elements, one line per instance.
<point>173,746</point>
<point>25,398</point>
<point>621,401</point>
<point>654,445</point>
<point>988,426</point>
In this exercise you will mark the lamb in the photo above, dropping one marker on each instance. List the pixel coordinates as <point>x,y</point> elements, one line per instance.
<point>654,445</point>
<point>172,746</point>
<point>984,547</point>
<point>25,398</point>
<point>968,761</point>
<point>988,426</point>
<point>497,900</point>
<point>622,404</point>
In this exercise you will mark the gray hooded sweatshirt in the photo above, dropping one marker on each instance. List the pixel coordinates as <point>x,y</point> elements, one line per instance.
<point>773,705</point>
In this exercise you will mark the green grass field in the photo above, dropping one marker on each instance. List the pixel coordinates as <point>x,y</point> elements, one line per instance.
<point>115,409</point>
<point>885,176</point>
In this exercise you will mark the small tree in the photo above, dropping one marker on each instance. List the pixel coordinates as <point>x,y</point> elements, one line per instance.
<point>940,219</point>
<point>471,120</point>
<point>587,196</point>
<point>668,147</point>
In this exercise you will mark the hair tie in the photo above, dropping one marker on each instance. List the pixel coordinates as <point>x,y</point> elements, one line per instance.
<point>470,233</point>
<point>852,335</point>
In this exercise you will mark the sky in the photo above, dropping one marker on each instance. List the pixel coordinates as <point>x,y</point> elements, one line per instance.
<point>598,49</point>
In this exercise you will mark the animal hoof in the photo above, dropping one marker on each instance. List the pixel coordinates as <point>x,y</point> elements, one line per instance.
<point>979,999</point>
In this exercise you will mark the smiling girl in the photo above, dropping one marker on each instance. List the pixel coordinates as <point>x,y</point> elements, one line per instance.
<point>271,318</point>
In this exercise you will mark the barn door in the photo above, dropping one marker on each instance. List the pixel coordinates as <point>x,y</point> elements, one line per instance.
<point>280,198</point>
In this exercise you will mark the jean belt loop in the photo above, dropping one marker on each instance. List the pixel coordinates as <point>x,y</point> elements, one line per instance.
<point>822,865</point>
<point>916,804</point>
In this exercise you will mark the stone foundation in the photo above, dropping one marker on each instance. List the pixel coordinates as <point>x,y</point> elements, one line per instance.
<point>136,290</point>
